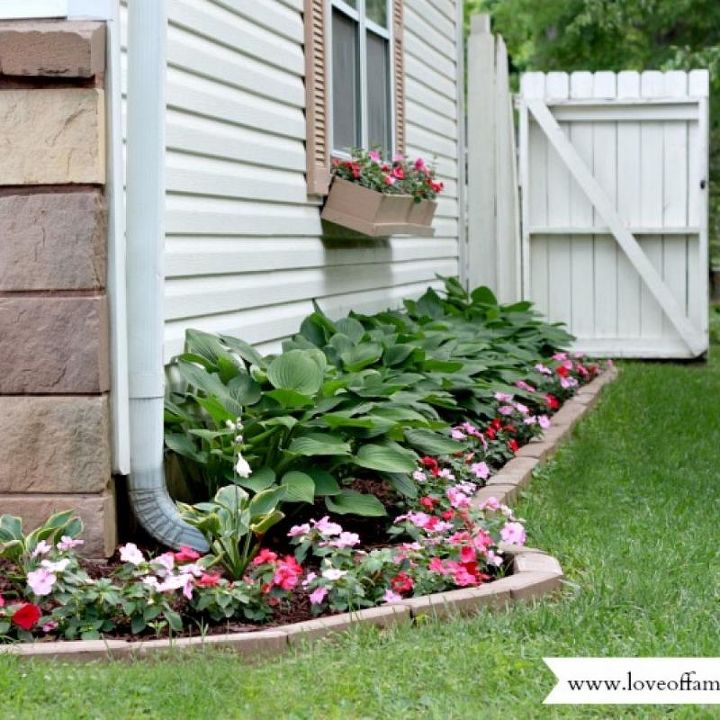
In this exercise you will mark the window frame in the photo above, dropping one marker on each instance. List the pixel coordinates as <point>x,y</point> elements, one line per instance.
<point>365,25</point>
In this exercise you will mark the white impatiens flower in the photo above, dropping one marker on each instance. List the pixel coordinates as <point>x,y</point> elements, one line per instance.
<point>242,467</point>
<point>130,553</point>
<point>42,548</point>
<point>333,574</point>
<point>56,567</point>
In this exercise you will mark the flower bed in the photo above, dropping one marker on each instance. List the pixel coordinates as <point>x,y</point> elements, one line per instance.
<point>306,534</point>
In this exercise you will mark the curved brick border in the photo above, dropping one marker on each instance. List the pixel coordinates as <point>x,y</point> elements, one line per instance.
<point>535,574</point>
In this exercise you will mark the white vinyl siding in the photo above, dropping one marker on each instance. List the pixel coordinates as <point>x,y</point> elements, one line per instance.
<point>245,253</point>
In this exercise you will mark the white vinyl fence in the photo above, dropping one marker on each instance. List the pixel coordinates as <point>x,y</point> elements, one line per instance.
<point>493,254</point>
<point>613,175</point>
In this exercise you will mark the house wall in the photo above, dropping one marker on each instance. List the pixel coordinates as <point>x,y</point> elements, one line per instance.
<point>54,356</point>
<point>245,252</point>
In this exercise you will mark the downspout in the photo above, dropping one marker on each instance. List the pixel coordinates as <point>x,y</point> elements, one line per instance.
<point>149,497</point>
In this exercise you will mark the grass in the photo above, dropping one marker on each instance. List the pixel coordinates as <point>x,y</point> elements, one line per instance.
<point>630,508</point>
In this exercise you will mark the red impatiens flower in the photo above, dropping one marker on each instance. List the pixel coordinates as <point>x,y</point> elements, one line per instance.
<point>562,371</point>
<point>428,503</point>
<point>186,554</point>
<point>402,582</point>
<point>264,556</point>
<point>448,514</point>
<point>552,402</point>
<point>432,464</point>
<point>496,424</point>
<point>208,580</point>
<point>26,616</point>
<point>288,573</point>
<point>398,172</point>
<point>513,445</point>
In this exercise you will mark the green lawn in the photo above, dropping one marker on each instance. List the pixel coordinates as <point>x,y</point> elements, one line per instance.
<point>631,508</point>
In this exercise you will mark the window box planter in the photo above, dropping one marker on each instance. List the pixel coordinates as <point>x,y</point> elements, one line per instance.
<point>377,214</point>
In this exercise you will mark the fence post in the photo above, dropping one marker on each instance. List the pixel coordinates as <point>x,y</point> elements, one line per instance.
<point>481,255</point>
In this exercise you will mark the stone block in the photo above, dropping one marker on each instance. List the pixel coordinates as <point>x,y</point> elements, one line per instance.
<point>536,562</point>
<point>466,601</point>
<point>536,448</point>
<point>569,414</point>
<point>532,585</point>
<point>52,49</point>
<point>54,444</point>
<point>502,493</point>
<point>53,345</point>
<point>53,241</point>
<point>384,616</point>
<point>52,136</point>
<point>517,471</point>
<point>96,511</point>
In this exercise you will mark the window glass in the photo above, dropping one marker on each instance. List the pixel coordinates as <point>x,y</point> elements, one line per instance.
<point>378,108</point>
<point>376,10</point>
<point>345,82</point>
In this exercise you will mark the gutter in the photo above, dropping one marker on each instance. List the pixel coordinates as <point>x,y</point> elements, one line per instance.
<point>149,497</point>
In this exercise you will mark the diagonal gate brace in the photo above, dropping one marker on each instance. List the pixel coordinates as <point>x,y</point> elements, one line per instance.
<point>624,237</point>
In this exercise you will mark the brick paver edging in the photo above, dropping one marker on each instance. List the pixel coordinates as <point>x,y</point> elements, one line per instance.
<point>535,574</point>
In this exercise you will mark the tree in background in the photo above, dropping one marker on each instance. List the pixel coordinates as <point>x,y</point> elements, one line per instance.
<point>617,35</point>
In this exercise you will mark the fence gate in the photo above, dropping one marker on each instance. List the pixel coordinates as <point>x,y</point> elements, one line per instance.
<point>613,177</point>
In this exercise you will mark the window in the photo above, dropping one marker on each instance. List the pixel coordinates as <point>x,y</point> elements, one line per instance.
<point>361,84</point>
<point>354,81</point>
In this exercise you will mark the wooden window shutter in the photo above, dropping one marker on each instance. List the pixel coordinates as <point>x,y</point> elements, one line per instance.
<point>399,72</point>
<point>317,97</point>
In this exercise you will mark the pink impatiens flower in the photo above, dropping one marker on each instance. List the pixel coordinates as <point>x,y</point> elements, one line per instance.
<point>68,543</point>
<point>42,548</point>
<point>391,597</point>
<point>506,409</point>
<point>325,527</point>
<point>503,397</point>
<point>522,385</point>
<point>344,540</point>
<point>41,581</point>
<point>287,574</point>
<point>318,595</point>
<point>457,434</point>
<point>375,156</point>
<point>299,530</point>
<point>544,421</point>
<point>480,470</point>
<point>513,533</point>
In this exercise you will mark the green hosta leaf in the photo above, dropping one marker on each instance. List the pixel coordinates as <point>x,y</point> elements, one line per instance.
<point>290,398</point>
<point>337,420</point>
<point>215,409</point>
<point>397,354</point>
<point>403,484</point>
<point>325,483</point>
<point>231,496</point>
<point>351,327</point>
<point>483,296</point>
<point>244,350</point>
<point>260,480</point>
<point>432,443</point>
<point>319,444</point>
<point>341,343</point>
<point>443,366</point>
<point>200,378</point>
<point>206,345</point>
<point>351,502</point>
<point>138,624</point>
<point>244,390</point>
<point>297,370</point>
<point>299,487</point>
<point>266,501</point>
<point>430,305</point>
<point>267,521</point>
<point>361,356</point>
<point>183,445</point>
<point>11,528</point>
<point>386,457</point>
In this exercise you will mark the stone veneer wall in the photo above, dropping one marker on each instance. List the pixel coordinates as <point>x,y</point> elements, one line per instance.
<point>54,358</point>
